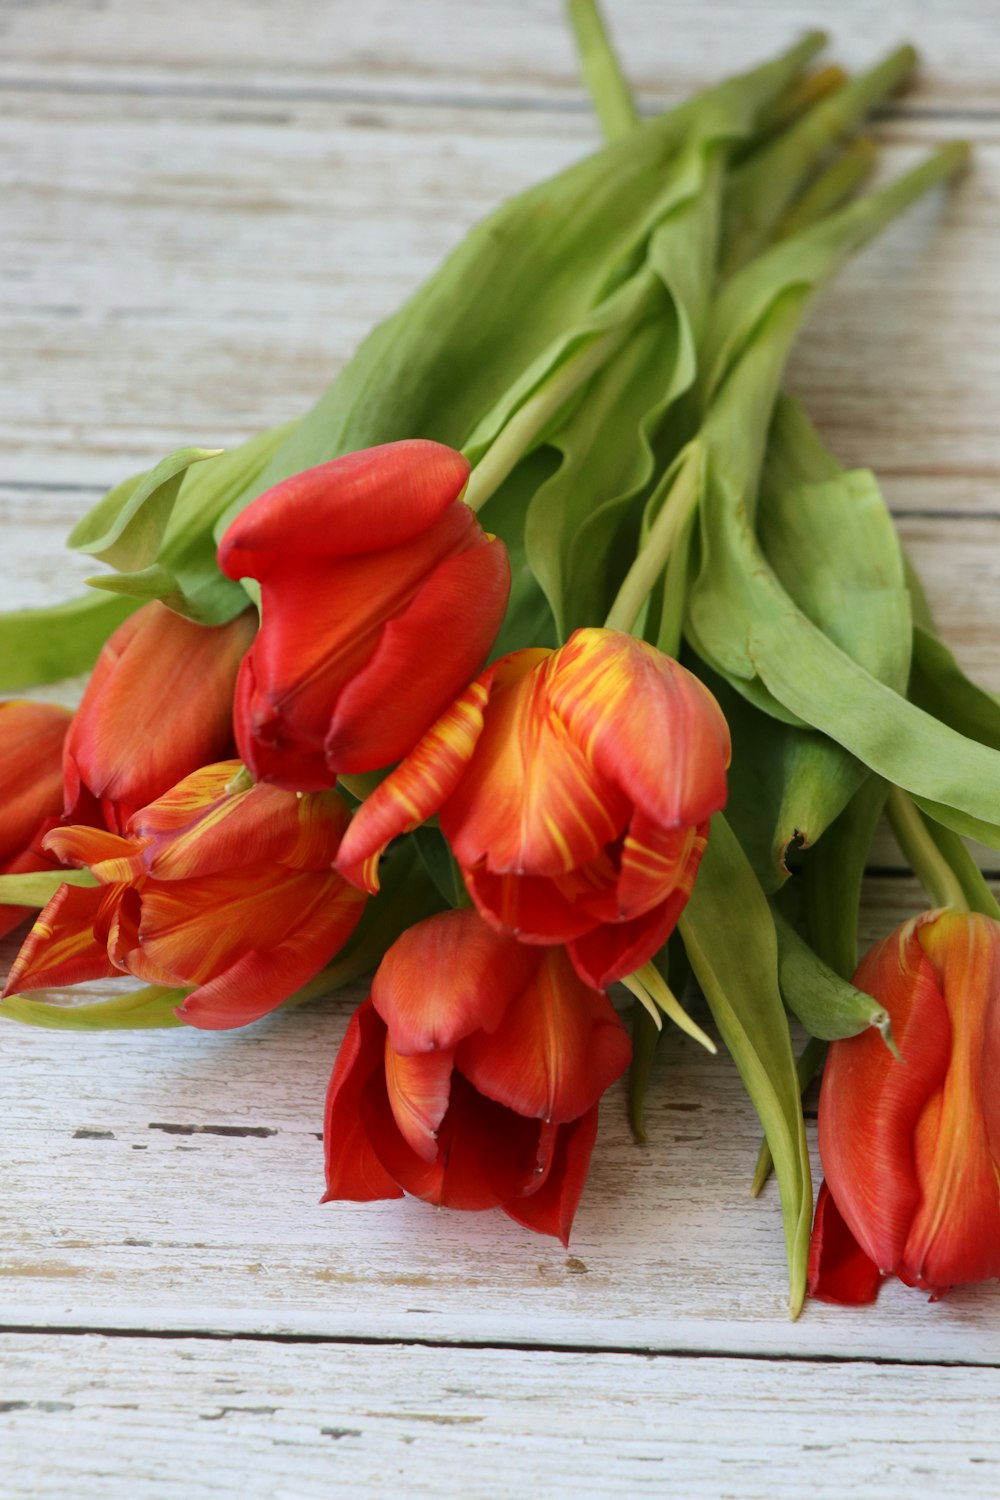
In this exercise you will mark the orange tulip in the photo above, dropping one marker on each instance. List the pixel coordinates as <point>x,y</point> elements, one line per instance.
<point>575,789</point>
<point>158,705</point>
<point>380,597</point>
<point>231,892</point>
<point>31,747</point>
<point>471,1077</point>
<point>911,1149</point>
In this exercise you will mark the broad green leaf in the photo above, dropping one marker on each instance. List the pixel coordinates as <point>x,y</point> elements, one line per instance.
<point>938,684</point>
<point>439,862</point>
<point>139,1010</point>
<point>828,1006</point>
<point>37,889</point>
<point>832,876</point>
<point>809,1062</point>
<point>57,641</point>
<point>502,303</point>
<point>126,528</point>
<point>968,874</point>
<point>729,935</point>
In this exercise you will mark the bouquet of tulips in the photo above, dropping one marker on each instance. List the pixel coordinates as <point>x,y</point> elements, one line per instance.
<point>457,675</point>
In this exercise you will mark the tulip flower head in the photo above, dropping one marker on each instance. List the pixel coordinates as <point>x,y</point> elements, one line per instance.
<point>911,1149</point>
<point>380,598</point>
<point>31,748</point>
<point>158,705</point>
<point>471,1077</point>
<point>575,789</point>
<point>230,891</point>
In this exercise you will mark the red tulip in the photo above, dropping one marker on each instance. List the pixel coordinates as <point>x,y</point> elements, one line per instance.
<point>229,891</point>
<point>31,746</point>
<point>471,1077</point>
<point>575,789</point>
<point>381,596</point>
<point>158,705</point>
<point>911,1149</point>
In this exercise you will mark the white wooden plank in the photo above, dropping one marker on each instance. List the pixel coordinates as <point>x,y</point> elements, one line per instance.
<point>176,272</point>
<point>518,51</point>
<point>158,1419</point>
<point>171,1180</point>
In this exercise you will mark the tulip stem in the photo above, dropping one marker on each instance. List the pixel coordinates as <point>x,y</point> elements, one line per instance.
<point>928,863</point>
<point>602,73</point>
<point>651,559</point>
<point>531,419</point>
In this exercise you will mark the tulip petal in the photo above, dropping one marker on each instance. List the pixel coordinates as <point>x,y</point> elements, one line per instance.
<point>418,1087</point>
<point>452,622</point>
<point>446,977</point>
<point>61,948</point>
<point>483,1149</point>
<point>531,799</point>
<point>839,1270</point>
<point>112,859</point>
<point>248,941</point>
<point>611,951</point>
<point>197,829</point>
<point>417,788</point>
<point>647,724</point>
<point>31,741</point>
<point>552,1208</point>
<point>529,906</point>
<point>870,1102</point>
<point>556,1050</point>
<point>363,502</point>
<point>31,861</point>
<point>157,706</point>
<point>353,1171</point>
<point>656,861</point>
<point>274,761</point>
<point>955,1235</point>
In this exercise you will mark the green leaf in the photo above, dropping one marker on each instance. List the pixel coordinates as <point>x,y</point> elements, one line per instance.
<point>37,889</point>
<point>439,862</point>
<point>828,1006</point>
<point>809,1062</point>
<point>139,1010</point>
<point>761,191</point>
<point>502,303</point>
<point>126,528</point>
<point>832,877</point>
<point>58,641</point>
<point>938,685</point>
<point>729,935</point>
<point>646,1036</point>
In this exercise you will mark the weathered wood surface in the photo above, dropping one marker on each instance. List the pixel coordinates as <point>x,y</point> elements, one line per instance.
<point>204,207</point>
<point>158,1420</point>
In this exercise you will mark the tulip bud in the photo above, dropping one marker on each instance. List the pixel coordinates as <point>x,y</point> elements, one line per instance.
<point>31,748</point>
<point>471,1077</point>
<point>230,891</point>
<point>380,597</point>
<point>575,788</point>
<point>911,1149</point>
<point>158,705</point>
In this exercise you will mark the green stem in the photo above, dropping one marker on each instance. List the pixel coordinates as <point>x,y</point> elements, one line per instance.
<point>650,561</point>
<point>602,73</point>
<point>531,419</point>
<point>919,849</point>
<point>831,188</point>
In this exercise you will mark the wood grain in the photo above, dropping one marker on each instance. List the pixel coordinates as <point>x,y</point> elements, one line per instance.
<point>157,1420</point>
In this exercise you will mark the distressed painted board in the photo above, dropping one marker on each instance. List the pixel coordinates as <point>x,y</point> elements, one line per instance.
<point>203,210</point>
<point>199,1418</point>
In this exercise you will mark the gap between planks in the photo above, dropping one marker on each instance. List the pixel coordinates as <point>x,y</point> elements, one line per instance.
<point>507,1346</point>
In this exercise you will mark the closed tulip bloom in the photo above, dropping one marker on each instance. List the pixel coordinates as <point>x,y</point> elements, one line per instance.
<point>911,1149</point>
<point>471,1077</point>
<point>231,892</point>
<point>575,789</point>
<point>31,748</point>
<point>380,598</point>
<point>158,705</point>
